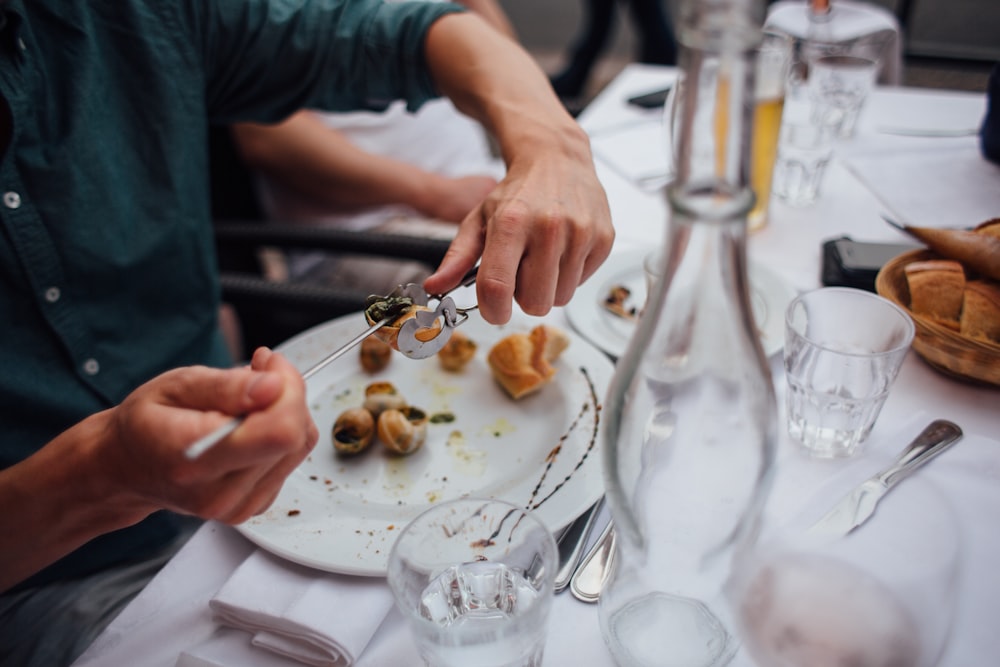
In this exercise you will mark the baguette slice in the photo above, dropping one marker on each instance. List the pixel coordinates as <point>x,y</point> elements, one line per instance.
<point>522,363</point>
<point>937,287</point>
<point>981,311</point>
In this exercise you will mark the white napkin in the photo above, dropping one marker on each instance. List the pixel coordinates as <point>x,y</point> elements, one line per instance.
<point>946,186</point>
<point>314,617</point>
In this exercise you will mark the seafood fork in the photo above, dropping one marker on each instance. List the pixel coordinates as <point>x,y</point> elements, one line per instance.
<point>389,309</point>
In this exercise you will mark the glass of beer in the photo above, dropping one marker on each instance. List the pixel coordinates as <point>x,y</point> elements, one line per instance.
<point>774,60</point>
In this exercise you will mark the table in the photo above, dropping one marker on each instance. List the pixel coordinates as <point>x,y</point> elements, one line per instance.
<point>169,623</point>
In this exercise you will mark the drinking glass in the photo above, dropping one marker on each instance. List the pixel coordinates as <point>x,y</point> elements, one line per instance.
<point>774,59</point>
<point>773,62</point>
<point>839,86</point>
<point>804,150</point>
<point>474,578</point>
<point>843,350</point>
<point>880,596</point>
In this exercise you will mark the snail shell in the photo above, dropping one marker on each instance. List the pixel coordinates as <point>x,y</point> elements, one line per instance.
<point>353,431</point>
<point>390,332</point>
<point>375,354</point>
<point>381,396</point>
<point>457,352</point>
<point>403,431</point>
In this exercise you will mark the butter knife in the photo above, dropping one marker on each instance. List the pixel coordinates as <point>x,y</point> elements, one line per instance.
<point>858,505</point>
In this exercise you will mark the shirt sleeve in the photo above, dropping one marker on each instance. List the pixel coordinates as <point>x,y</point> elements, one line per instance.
<point>264,59</point>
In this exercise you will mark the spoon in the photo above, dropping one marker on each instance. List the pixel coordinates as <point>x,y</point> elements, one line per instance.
<point>589,579</point>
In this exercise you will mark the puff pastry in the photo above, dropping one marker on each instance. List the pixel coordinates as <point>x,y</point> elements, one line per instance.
<point>522,363</point>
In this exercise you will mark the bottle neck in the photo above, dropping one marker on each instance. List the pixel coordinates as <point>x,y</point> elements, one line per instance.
<point>714,123</point>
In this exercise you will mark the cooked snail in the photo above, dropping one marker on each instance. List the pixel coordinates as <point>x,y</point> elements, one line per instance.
<point>403,431</point>
<point>353,431</point>
<point>403,308</point>
<point>381,396</point>
<point>375,354</point>
<point>457,352</point>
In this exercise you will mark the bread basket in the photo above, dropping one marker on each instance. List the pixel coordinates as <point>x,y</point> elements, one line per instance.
<point>946,350</point>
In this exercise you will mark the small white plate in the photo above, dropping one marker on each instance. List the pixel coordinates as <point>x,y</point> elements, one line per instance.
<point>769,294</point>
<point>342,514</point>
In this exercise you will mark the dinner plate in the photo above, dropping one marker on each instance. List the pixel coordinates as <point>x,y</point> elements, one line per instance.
<point>769,296</point>
<point>342,513</point>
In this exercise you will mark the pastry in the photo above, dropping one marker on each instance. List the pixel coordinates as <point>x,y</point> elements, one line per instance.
<point>936,290</point>
<point>981,310</point>
<point>522,363</point>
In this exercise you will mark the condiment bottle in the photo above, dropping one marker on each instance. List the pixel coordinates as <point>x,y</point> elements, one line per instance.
<point>690,418</point>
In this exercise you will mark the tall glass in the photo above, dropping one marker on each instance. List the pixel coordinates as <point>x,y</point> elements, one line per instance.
<point>774,59</point>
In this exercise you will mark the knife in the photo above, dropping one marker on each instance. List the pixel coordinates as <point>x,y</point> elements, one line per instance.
<point>858,505</point>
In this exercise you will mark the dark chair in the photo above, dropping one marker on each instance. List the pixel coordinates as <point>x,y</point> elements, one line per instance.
<point>269,311</point>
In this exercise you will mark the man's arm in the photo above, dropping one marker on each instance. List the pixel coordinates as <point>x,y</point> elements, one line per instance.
<point>305,155</point>
<point>547,227</point>
<point>118,466</point>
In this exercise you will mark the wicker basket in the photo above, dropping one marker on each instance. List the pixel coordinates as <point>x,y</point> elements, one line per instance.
<point>948,351</point>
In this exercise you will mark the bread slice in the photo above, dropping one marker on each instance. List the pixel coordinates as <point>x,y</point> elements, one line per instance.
<point>981,310</point>
<point>937,287</point>
<point>522,363</point>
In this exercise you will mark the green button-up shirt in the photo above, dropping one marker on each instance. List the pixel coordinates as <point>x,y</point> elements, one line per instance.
<point>107,265</point>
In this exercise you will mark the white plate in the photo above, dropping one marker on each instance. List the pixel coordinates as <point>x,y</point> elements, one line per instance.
<point>769,294</point>
<point>342,514</point>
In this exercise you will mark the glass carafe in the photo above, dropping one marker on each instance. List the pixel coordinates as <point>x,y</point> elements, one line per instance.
<point>690,417</point>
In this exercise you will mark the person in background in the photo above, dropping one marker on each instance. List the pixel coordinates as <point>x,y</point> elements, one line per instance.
<point>656,41</point>
<point>113,359</point>
<point>366,171</point>
<point>989,133</point>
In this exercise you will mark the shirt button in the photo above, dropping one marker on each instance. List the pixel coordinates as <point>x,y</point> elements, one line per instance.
<point>11,200</point>
<point>91,367</point>
<point>52,294</point>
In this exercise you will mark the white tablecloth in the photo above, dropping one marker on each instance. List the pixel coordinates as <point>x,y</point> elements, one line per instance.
<point>170,624</point>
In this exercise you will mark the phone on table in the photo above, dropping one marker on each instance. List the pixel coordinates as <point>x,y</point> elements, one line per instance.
<point>850,263</point>
<point>651,100</point>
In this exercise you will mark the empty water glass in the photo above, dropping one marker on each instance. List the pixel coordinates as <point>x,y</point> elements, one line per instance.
<point>838,87</point>
<point>804,150</point>
<point>843,350</point>
<point>474,578</point>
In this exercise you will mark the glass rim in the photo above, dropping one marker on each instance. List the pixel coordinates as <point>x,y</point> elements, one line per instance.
<point>904,317</point>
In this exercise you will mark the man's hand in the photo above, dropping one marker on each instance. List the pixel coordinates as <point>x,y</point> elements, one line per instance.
<point>118,466</point>
<point>547,226</point>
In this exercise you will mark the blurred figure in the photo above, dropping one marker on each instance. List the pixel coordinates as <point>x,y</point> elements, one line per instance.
<point>989,134</point>
<point>651,22</point>
<point>366,171</point>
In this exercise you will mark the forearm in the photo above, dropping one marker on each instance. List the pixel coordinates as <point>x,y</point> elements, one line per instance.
<point>306,156</point>
<point>55,501</point>
<point>492,79</point>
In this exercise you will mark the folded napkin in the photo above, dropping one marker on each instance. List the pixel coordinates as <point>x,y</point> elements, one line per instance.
<point>314,617</point>
<point>951,185</point>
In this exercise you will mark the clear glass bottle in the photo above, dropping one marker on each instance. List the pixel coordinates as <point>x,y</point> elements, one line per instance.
<point>690,418</point>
